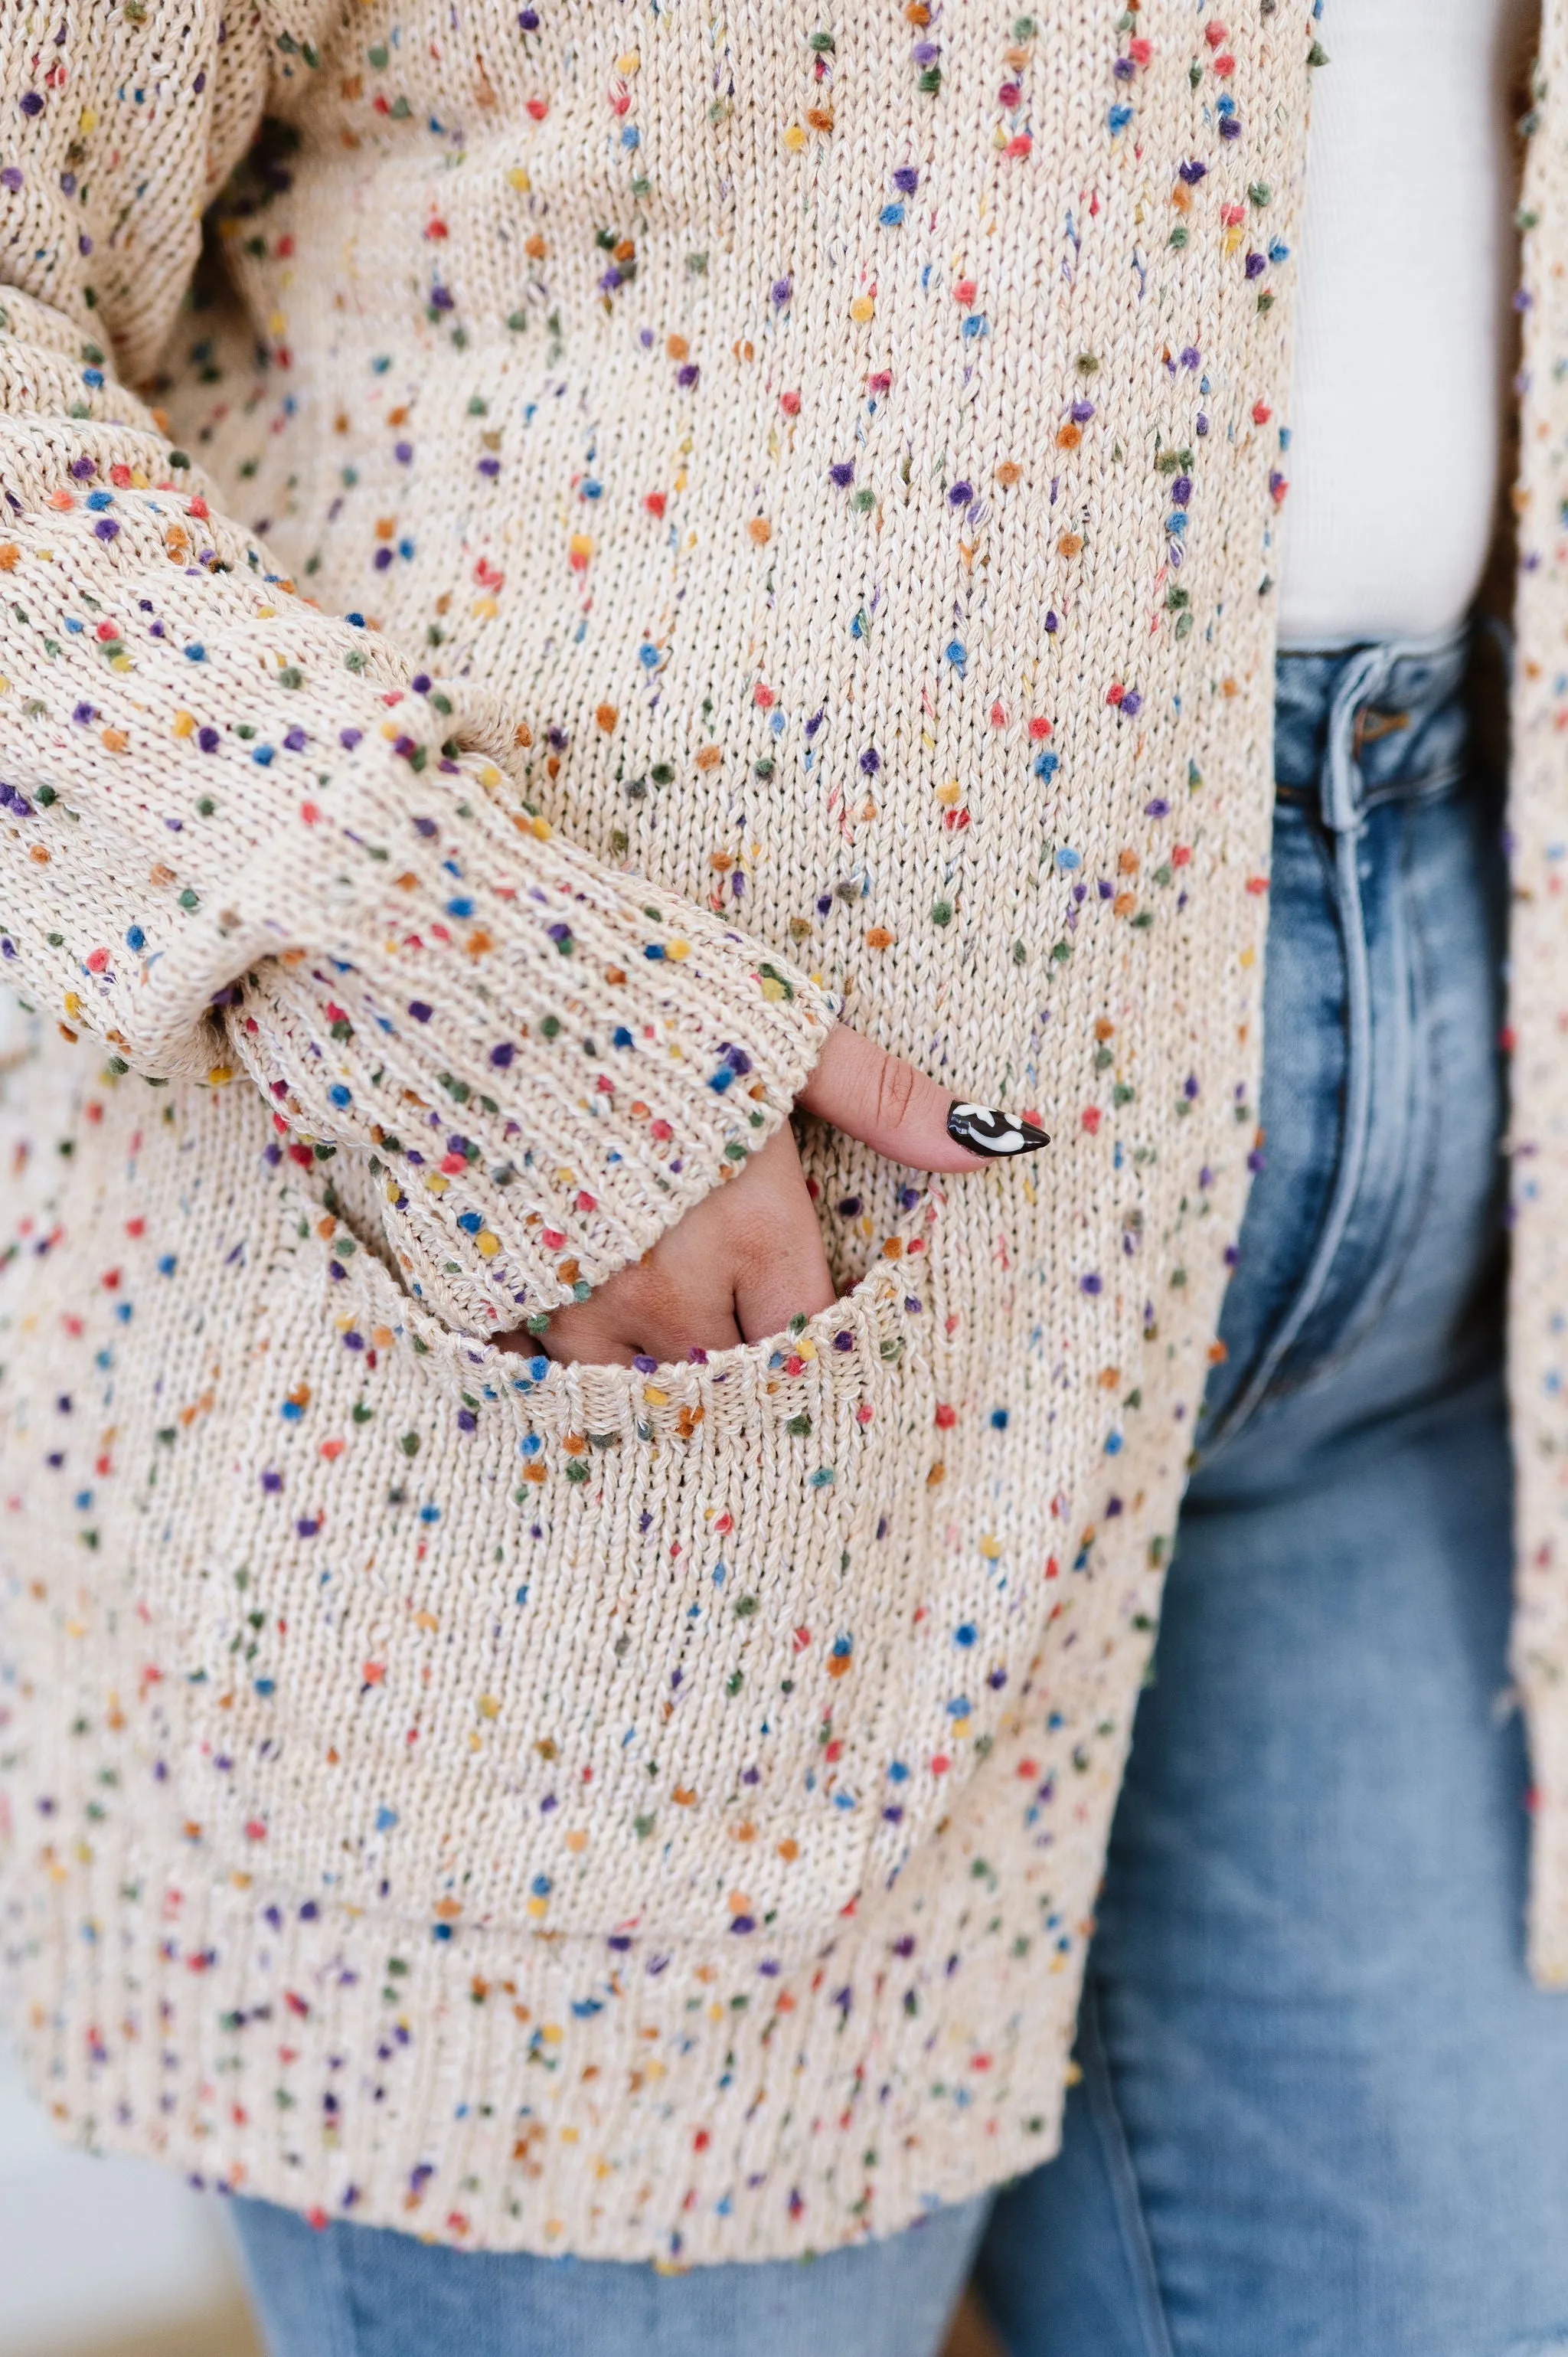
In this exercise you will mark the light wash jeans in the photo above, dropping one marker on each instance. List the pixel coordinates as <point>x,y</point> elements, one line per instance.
<point>1322,2111</point>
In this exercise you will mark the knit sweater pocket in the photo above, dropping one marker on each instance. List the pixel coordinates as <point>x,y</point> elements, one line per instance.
<point>630,1654</point>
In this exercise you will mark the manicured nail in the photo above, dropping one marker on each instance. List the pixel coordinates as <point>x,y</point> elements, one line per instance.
<point>987,1131</point>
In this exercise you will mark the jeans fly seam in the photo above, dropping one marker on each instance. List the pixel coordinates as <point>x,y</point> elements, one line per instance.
<point>1339,800</point>
<point>1358,1113</point>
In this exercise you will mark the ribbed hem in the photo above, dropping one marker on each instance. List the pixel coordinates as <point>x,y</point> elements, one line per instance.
<point>1549,1843</point>
<point>313,2060</point>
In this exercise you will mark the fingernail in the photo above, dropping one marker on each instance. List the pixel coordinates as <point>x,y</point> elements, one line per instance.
<point>987,1131</point>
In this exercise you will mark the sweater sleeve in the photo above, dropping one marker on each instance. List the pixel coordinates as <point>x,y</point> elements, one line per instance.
<point>246,844</point>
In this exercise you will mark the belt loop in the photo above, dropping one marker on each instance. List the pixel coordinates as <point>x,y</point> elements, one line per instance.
<point>1340,782</point>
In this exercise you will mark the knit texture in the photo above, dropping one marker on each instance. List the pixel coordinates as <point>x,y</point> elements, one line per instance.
<point>786,500</point>
<point>1537,1003</point>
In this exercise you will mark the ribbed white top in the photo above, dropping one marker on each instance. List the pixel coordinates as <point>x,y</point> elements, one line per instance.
<point>1403,341</point>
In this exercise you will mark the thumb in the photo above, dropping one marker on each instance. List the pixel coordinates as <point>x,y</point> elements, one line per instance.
<point>897,1110</point>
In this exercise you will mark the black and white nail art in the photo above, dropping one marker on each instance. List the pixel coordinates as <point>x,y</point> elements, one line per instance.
<point>985,1130</point>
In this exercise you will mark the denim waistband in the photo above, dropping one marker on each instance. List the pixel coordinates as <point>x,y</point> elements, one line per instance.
<point>1368,723</point>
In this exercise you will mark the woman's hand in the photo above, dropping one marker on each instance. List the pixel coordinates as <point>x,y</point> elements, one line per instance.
<point>749,1257</point>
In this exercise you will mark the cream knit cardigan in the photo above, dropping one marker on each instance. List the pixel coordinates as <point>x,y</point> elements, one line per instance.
<point>662,522</point>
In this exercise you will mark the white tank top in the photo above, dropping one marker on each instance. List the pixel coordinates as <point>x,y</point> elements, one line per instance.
<point>1404,334</point>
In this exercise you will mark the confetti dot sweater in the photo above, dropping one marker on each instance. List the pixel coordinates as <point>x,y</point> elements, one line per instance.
<point>547,553</point>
